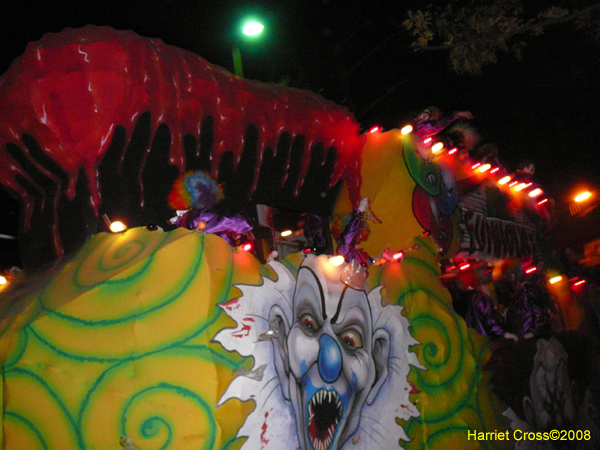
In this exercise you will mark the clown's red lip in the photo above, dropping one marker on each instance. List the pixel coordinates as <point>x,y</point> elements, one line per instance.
<point>325,412</point>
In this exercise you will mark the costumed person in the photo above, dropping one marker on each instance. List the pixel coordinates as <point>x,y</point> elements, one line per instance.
<point>355,273</point>
<point>314,231</point>
<point>526,171</point>
<point>532,312</point>
<point>478,309</point>
<point>430,121</point>
<point>196,197</point>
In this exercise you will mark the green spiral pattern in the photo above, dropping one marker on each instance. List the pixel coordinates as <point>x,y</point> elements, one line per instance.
<point>454,395</point>
<point>119,343</point>
<point>98,355</point>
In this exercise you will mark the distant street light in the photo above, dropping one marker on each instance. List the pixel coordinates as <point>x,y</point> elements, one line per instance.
<point>251,29</point>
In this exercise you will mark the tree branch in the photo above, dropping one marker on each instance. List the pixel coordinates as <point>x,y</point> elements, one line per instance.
<point>503,36</point>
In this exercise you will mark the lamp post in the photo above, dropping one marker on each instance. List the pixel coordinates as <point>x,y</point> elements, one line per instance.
<point>250,29</point>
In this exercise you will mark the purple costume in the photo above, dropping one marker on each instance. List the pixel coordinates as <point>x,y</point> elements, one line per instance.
<point>479,313</point>
<point>529,312</point>
<point>349,242</point>
<point>429,127</point>
<point>217,223</point>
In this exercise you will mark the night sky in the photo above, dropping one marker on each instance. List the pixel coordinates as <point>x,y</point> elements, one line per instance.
<point>545,108</point>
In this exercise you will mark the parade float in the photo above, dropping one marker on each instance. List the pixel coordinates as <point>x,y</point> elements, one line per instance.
<point>283,281</point>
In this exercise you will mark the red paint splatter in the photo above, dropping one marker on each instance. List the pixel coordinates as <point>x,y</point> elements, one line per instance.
<point>245,330</point>
<point>232,304</point>
<point>263,440</point>
<point>70,90</point>
<point>413,389</point>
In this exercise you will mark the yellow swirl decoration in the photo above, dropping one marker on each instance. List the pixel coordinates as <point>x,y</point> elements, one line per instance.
<point>158,409</point>
<point>132,309</point>
<point>47,425</point>
<point>121,345</point>
<point>453,394</point>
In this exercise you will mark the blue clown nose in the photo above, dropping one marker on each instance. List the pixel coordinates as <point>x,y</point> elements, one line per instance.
<point>330,359</point>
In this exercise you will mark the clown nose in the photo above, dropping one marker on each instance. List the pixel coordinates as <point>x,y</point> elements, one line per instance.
<point>330,359</point>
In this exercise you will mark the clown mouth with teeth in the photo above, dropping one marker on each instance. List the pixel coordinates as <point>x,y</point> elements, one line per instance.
<point>324,414</point>
<point>331,361</point>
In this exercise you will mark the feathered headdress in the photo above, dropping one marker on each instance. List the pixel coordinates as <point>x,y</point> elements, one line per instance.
<point>195,189</point>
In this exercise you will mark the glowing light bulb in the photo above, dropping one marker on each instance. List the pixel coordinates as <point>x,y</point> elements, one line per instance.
<point>452,151</point>
<point>117,226</point>
<point>475,166</point>
<point>3,280</point>
<point>530,270</point>
<point>286,233</point>
<point>427,141</point>
<point>555,279</point>
<point>464,266</point>
<point>579,283</point>
<point>520,187</point>
<point>337,260</point>
<point>536,193</point>
<point>398,255</point>
<point>504,180</point>
<point>541,202</point>
<point>485,168</point>
<point>495,169</point>
<point>583,196</point>
<point>247,247</point>
<point>437,147</point>
<point>406,129</point>
<point>375,129</point>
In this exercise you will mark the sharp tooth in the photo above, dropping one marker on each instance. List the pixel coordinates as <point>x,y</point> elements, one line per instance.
<point>328,396</point>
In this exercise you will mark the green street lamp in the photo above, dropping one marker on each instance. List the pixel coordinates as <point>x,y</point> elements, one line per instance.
<point>250,29</point>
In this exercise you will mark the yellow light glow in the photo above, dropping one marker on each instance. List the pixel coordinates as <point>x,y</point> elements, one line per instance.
<point>286,233</point>
<point>520,187</point>
<point>406,129</point>
<point>3,280</point>
<point>117,227</point>
<point>535,193</point>
<point>583,196</point>
<point>555,280</point>
<point>437,147</point>
<point>337,260</point>
<point>485,168</point>
<point>504,180</point>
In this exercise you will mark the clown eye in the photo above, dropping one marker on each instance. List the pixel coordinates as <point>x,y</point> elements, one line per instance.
<point>352,339</point>
<point>309,322</point>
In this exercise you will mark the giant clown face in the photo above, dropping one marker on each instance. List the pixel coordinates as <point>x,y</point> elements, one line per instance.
<point>332,361</point>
